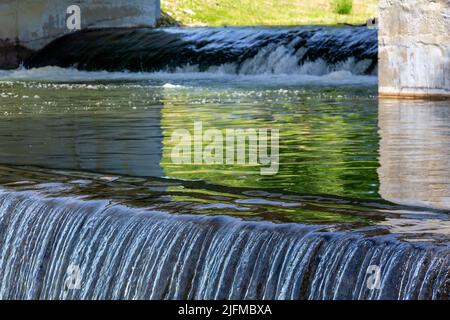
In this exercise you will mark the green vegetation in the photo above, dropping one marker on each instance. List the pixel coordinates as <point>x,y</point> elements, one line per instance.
<point>269,12</point>
<point>343,6</point>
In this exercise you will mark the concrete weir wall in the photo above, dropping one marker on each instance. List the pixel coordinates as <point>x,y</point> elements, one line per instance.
<point>28,25</point>
<point>414,48</point>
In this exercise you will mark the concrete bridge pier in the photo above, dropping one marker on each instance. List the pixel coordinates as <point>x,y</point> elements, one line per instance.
<point>28,25</point>
<point>414,48</point>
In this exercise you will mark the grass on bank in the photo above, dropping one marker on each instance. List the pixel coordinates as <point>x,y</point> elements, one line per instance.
<point>269,12</point>
<point>343,7</point>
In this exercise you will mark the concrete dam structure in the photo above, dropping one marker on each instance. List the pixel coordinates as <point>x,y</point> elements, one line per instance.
<point>414,48</point>
<point>28,25</point>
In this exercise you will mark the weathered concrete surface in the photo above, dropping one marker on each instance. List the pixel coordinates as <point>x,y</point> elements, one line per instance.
<point>414,48</point>
<point>30,24</point>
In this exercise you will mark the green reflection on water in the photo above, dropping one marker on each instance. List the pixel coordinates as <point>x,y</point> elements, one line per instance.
<point>328,143</point>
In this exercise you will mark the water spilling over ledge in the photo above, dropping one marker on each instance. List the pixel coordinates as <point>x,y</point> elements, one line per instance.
<point>245,51</point>
<point>157,256</point>
<point>164,256</point>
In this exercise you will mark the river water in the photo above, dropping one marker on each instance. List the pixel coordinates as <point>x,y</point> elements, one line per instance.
<point>87,178</point>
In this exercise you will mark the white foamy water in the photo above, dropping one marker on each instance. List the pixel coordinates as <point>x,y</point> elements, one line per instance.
<point>188,74</point>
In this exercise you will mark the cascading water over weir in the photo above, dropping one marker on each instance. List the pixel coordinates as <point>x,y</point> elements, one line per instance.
<point>159,256</point>
<point>125,252</point>
<point>145,239</point>
<point>245,51</point>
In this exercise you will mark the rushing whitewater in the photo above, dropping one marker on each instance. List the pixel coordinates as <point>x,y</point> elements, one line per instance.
<point>243,51</point>
<point>125,253</point>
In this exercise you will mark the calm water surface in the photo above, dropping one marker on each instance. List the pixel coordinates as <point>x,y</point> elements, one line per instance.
<point>345,156</point>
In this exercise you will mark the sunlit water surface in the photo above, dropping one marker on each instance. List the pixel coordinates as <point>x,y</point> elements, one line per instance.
<point>346,159</point>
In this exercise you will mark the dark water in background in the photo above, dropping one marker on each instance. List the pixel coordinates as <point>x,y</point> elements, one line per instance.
<point>361,181</point>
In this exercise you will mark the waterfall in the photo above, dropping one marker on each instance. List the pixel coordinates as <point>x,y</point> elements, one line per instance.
<point>244,51</point>
<point>129,253</point>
